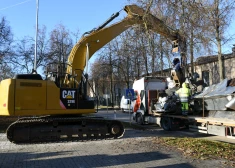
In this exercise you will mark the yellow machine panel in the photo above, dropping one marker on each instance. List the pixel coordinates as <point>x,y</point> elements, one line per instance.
<point>7,93</point>
<point>30,94</point>
<point>53,96</point>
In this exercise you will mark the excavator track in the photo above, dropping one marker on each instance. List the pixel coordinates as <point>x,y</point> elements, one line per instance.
<point>59,129</point>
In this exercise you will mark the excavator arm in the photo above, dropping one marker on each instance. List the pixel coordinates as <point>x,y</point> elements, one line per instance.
<point>91,43</point>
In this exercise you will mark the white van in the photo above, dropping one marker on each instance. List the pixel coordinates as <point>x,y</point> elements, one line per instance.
<point>125,104</point>
<point>147,91</point>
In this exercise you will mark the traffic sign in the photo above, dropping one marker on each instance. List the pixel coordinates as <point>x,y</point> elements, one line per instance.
<point>129,94</point>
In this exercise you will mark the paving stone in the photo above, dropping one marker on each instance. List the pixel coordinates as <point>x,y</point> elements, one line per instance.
<point>131,152</point>
<point>135,150</point>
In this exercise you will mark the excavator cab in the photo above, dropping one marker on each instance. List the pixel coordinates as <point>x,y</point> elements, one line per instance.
<point>56,72</point>
<point>73,95</point>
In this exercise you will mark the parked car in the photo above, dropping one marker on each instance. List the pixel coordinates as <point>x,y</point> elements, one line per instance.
<point>125,105</point>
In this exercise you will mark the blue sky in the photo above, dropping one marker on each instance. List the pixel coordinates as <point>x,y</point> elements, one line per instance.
<point>82,15</point>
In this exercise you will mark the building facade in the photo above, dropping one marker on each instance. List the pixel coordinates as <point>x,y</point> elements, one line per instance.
<point>208,69</point>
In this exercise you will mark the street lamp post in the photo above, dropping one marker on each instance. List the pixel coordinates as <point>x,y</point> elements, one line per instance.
<point>128,81</point>
<point>36,38</point>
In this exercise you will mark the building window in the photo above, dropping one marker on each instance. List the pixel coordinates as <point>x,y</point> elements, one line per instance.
<point>205,77</point>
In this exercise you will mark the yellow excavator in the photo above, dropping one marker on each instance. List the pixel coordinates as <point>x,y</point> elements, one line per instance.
<point>57,107</point>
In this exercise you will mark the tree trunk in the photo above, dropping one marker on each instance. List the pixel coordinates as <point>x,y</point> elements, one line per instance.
<point>220,61</point>
<point>161,55</point>
<point>111,79</point>
<point>218,40</point>
<point>191,51</point>
<point>151,43</point>
<point>144,54</point>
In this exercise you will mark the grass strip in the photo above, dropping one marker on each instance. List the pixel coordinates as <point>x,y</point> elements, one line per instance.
<point>200,148</point>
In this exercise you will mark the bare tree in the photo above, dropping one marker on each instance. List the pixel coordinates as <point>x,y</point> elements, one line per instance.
<point>60,44</point>
<point>43,47</point>
<point>76,35</point>
<point>6,39</point>
<point>98,78</point>
<point>219,18</point>
<point>6,71</point>
<point>23,58</point>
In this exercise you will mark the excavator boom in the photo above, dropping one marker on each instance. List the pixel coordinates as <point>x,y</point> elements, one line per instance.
<point>100,37</point>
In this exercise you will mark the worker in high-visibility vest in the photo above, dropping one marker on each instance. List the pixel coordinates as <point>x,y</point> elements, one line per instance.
<point>184,94</point>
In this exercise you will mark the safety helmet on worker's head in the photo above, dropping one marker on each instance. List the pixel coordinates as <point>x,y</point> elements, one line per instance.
<point>185,85</point>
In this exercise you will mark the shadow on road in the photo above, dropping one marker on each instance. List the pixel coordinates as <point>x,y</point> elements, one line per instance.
<point>77,159</point>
